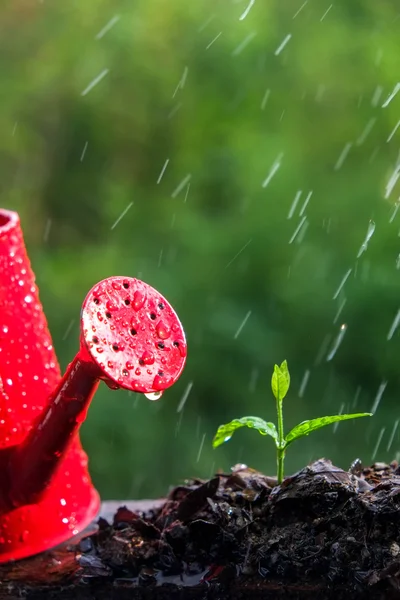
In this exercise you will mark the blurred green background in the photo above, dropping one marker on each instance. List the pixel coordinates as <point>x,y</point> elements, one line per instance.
<point>202,128</point>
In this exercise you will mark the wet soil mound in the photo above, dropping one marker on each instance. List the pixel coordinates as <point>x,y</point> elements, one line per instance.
<point>324,533</point>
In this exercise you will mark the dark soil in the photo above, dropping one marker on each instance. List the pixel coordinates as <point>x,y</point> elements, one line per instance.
<point>324,533</point>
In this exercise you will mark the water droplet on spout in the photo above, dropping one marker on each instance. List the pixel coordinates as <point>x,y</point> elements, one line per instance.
<point>147,358</point>
<point>163,330</point>
<point>138,300</point>
<point>153,395</point>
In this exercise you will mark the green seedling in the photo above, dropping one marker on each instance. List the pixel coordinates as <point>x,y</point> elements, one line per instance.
<point>280,385</point>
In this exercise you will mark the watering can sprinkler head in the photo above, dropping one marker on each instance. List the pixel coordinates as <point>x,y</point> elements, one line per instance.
<point>130,338</point>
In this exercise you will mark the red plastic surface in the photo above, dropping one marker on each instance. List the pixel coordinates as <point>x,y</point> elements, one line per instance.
<point>130,338</point>
<point>133,335</point>
<point>29,373</point>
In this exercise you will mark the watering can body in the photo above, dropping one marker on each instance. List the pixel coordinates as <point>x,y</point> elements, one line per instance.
<point>29,373</point>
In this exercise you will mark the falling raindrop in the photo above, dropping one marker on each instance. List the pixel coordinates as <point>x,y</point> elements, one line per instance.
<point>275,167</point>
<point>304,382</point>
<point>370,232</point>
<point>282,45</point>
<point>181,185</point>
<point>392,181</point>
<point>378,396</point>
<point>108,26</point>
<point>121,216</point>
<point>394,325</point>
<point>243,323</point>
<point>162,171</point>
<point>247,10</point>
<point>239,49</point>
<point>265,99</point>
<point>336,294</point>
<point>294,204</point>
<point>185,396</point>
<point>395,210</point>
<point>306,201</point>
<point>300,9</point>
<point>343,156</point>
<point>201,447</point>
<point>337,342</point>
<point>297,230</point>
<point>95,81</point>
<point>378,443</point>
<point>391,96</point>
<point>213,40</point>
<point>392,133</point>
<point>367,130</point>
<point>326,12</point>
<point>391,439</point>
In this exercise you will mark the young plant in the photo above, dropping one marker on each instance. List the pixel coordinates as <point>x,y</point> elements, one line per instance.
<point>280,385</point>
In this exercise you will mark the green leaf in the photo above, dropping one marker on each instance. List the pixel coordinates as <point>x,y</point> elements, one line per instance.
<point>307,427</point>
<point>226,431</point>
<point>280,381</point>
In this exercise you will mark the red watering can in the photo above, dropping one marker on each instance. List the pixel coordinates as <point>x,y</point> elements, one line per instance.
<point>131,338</point>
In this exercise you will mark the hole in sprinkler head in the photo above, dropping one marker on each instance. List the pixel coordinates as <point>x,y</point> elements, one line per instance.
<point>161,345</point>
<point>176,344</point>
<point>127,301</point>
<point>161,306</point>
<point>141,362</point>
<point>153,316</point>
<point>108,315</point>
<point>161,373</point>
<point>95,339</point>
<point>115,347</point>
<point>133,331</point>
<point>125,372</point>
<point>96,300</point>
<point>126,285</point>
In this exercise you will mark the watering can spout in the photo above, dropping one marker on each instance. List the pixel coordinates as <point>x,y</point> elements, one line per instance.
<point>130,338</point>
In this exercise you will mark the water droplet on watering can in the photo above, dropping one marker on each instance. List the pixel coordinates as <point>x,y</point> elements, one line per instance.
<point>24,536</point>
<point>116,285</point>
<point>161,382</point>
<point>99,349</point>
<point>111,384</point>
<point>154,395</point>
<point>138,371</point>
<point>147,358</point>
<point>111,306</point>
<point>163,330</point>
<point>181,347</point>
<point>138,300</point>
<point>129,365</point>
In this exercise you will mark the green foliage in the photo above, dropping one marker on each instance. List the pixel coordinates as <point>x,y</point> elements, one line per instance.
<point>280,381</point>
<point>307,427</point>
<point>225,432</point>
<point>280,387</point>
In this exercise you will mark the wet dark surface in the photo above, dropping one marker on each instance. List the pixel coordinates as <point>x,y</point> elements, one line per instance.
<point>323,533</point>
